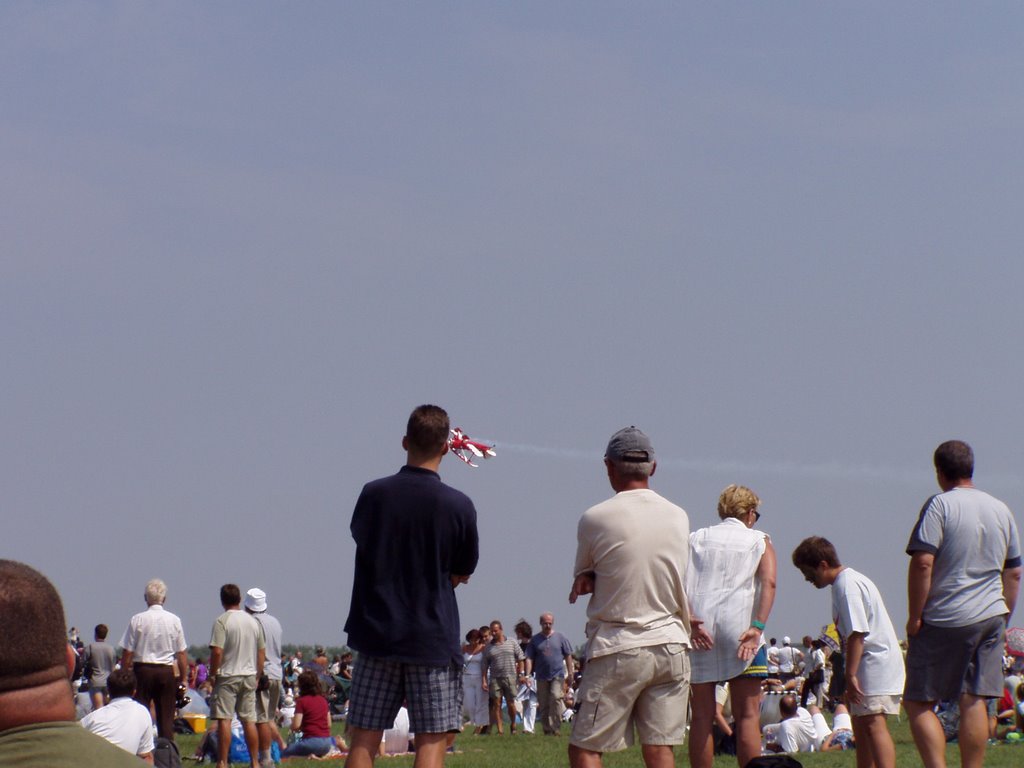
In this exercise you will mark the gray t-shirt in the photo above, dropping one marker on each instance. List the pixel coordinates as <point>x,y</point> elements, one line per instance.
<point>272,635</point>
<point>500,658</point>
<point>99,660</point>
<point>974,539</point>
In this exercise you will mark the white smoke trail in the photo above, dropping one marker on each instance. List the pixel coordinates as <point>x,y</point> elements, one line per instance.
<point>825,470</point>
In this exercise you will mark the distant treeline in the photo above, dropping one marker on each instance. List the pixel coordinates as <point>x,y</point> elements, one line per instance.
<point>288,649</point>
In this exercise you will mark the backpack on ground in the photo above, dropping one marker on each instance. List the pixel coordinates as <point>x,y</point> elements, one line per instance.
<point>165,753</point>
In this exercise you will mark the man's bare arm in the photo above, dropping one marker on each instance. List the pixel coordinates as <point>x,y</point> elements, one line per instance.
<point>581,585</point>
<point>1011,588</point>
<point>216,656</point>
<point>919,583</point>
<point>182,657</point>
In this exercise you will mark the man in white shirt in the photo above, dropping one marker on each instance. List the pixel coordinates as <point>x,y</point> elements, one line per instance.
<point>123,722</point>
<point>796,732</point>
<point>153,642</point>
<point>773,658</point>
<point>790,660</point>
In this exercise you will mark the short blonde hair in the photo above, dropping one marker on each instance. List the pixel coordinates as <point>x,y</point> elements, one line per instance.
<point>737,500</point>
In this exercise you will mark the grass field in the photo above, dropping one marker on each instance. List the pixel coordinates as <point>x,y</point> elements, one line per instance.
<point>536,751</point>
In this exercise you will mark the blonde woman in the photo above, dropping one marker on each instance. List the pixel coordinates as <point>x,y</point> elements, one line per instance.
<point>730,584</point>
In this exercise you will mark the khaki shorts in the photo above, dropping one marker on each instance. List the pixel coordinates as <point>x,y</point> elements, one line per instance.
<point>267,701</point>
<point>234,695</point>
<point>647,688</point>
<point>499,687</point>
<point>876,705</point>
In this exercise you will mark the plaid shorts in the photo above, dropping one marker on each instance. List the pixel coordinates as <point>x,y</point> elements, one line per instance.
<point>432,694</point>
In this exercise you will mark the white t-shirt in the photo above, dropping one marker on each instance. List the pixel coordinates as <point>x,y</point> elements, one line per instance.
<point>789,659</point>
<point>857,607</point>
<point>123,722</point>
<point>797,734</point>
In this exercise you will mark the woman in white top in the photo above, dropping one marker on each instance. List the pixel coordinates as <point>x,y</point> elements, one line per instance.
<point>730,585</point>
<point>474,702</point>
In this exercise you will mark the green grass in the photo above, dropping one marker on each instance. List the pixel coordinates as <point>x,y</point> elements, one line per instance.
<point>537,751</point>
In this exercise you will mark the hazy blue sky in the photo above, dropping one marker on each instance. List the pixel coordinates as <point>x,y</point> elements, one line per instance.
<point>239,242</point>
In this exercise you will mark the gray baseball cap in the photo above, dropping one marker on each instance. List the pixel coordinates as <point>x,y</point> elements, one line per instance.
<point>630,444</point>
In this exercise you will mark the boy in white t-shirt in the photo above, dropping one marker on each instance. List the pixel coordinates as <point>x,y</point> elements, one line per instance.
<point>874,662</point>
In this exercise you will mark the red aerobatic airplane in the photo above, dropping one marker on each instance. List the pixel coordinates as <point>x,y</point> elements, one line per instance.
<point>459,443</point>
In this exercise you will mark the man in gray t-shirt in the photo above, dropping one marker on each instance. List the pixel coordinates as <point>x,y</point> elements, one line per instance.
<point>100,659</point>
<point>965,573</point>
<point>503,663</point>
<point>268,691</point>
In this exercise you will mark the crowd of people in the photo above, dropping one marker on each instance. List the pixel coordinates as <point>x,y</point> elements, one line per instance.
<point>674,640</point>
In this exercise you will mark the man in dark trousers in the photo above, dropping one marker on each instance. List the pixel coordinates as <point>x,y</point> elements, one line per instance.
<point>416,541</point>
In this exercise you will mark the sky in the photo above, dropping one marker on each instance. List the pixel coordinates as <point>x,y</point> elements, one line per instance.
<point>240,242</point>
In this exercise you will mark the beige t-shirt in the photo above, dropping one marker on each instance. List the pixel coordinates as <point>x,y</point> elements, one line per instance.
<point>241,636</point>
<point>637,545</point>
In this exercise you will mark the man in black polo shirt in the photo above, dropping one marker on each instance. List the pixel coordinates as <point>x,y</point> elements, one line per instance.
<point>416,541</point>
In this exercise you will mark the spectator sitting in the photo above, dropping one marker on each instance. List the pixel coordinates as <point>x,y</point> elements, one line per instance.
<point>840,736</point>
<point>123,721</point>
<point>313,718</point>
<point>397,738</point>
<point>796,731</point>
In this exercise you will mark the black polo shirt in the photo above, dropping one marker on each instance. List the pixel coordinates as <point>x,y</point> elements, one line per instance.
<point>412,532</point>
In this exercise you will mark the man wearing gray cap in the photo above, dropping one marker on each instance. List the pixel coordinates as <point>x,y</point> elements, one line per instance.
<point>631,558</point>
<point>268,692</point>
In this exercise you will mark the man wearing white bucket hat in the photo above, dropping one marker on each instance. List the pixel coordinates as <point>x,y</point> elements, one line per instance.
<point>268,692</point>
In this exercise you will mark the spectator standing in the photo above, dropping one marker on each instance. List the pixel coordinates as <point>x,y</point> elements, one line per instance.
<point>631,557</point>
<point>502,667</point>
<point>549,659</point>
<point>153,646</point>
<point>790,660</point>
<point>874,662</point>
<point>416,541</point>
<point>526,693</point>
<point>730,585</point>
<point>237,655</point>
<point>773,658</point>
<point>268,691</point>
<point>814,679</point>
<point>965,571</point>
<point>100,660</point>
<point>474,705</point>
